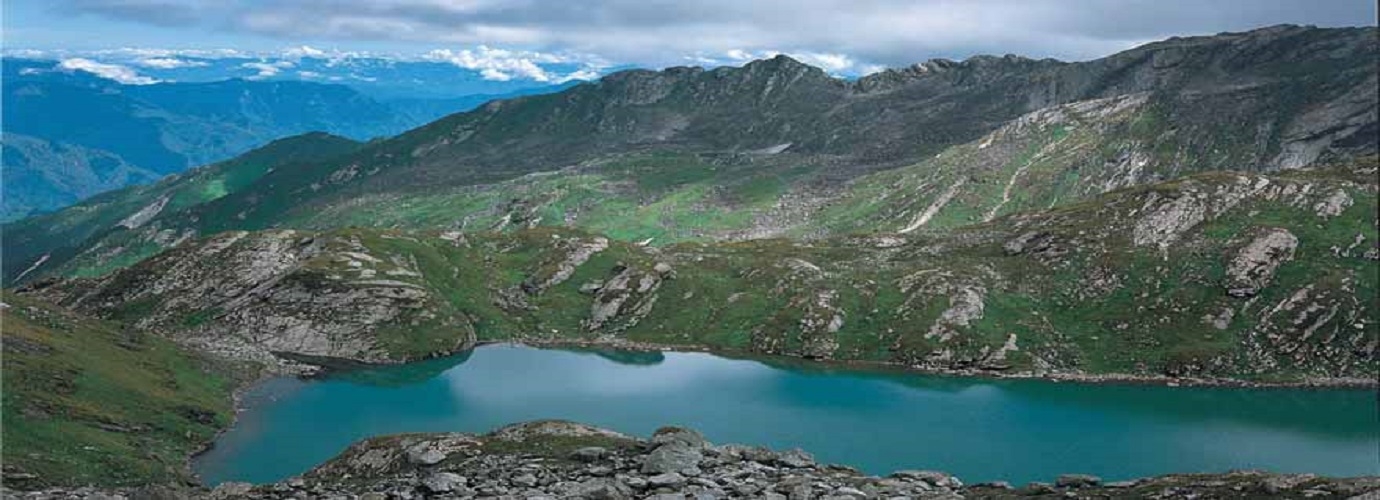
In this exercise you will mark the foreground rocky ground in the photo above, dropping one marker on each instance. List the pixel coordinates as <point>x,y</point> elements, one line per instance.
<point>552,459</point>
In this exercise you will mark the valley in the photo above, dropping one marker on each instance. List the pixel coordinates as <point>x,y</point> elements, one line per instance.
<point>1199,211</point>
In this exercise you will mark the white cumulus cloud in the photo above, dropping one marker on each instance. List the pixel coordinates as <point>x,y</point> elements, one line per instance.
<point>122,74</point>
<point>267,69</point>
<point>503,65</point>
<point>169,63</point>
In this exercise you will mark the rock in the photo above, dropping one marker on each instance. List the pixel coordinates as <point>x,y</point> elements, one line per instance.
<point>1254,267</point>
<point>443,482</point>
<point>934,478</point>
<point>525,480</point>
<point>1077,481</point>
<point>1033,241</point>
<point>231,490</point>
<point>671,435</point>
<point>667,480</point>
<point>425,456</point>
<point>1167,221</point>
<point>847,492</point>
<point>672,458</point>
<point>1334,205</point>
<point>602,489</point>
<point>665,270</point>
<point>796,458</point>
<point>589,454</point>
<point>1277,484</point>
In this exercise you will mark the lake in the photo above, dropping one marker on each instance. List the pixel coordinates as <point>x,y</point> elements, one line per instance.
<point>879,421</point>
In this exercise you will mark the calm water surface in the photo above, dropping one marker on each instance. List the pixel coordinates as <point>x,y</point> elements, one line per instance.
<point>977,429</point>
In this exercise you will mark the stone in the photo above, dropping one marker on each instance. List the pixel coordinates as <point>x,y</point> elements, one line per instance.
<point>589,454</point>
<point>672,458</point>
<point>1077,480</point>
<point>796,458</point>
<point>426,456</point>
<point>443,482</point>
<point>231,490</point>
<point>667,480</point>
<point>525,480</point>
<point>847,492</point>
<point>670,435</point>
<point>932,477</point>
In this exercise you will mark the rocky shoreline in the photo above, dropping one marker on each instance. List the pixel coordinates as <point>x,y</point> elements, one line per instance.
<point>564,460</point>
<point>1075,377</point>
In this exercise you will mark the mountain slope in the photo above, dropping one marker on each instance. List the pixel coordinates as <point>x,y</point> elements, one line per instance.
<point>91,402</point>
<point>1256,277</point>
<point>779,148</point>
<point>97,232</point>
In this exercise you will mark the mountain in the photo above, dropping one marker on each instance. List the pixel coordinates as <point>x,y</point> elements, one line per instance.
<point>779,148</point>
<point>70,135</point>
<point>1199,210</point>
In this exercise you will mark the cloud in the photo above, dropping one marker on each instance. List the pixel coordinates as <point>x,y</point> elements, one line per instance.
<point>847,35</point>
<point>122,74</point>
<point>169,63</point>
<point>267,69</point>
<point>503,65</point>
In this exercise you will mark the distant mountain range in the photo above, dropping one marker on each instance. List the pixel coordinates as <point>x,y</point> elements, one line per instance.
<point>71,134</point>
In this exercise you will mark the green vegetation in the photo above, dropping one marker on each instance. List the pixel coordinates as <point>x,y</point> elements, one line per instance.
<point>91,402</point>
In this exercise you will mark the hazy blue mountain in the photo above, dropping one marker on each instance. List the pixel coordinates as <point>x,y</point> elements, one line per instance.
<point>69,134</point>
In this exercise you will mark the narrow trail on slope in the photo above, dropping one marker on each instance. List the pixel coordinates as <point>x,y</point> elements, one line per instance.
<point>1011,183</point>
<point>934,207</point>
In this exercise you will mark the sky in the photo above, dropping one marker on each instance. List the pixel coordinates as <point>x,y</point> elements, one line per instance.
<point>517,39</point>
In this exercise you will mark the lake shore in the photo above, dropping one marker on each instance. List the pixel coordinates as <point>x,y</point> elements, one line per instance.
<point>1074,377</point>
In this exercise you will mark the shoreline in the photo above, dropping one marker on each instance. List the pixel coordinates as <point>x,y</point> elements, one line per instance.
<point>332,366</point>
<point>892,366</point>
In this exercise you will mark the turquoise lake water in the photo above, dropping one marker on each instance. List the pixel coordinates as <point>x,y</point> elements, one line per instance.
<point>977,429</point>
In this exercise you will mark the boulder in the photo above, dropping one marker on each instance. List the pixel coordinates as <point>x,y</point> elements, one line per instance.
<point>1077,481</point>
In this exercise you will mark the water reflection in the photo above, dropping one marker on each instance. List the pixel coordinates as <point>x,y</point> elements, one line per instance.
<point>876,420</point>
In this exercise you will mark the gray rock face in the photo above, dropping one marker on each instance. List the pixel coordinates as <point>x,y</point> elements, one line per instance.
<point>672,457</point>
<point>1255,265</point>
<point>249,295</point>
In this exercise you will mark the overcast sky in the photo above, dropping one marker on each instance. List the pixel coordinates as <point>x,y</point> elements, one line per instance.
<point>844,36</point>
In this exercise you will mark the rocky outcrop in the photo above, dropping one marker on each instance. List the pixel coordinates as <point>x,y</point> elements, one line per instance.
<point>564,460</point>
<point>1255,265</point>
<point>261,296</point>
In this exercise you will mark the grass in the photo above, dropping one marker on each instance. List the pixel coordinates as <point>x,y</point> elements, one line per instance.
<point>89,402</point>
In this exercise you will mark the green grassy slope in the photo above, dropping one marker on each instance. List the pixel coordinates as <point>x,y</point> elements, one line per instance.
<point>91,402</point>
<point>1134,281</point>
<point>96,233</point>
